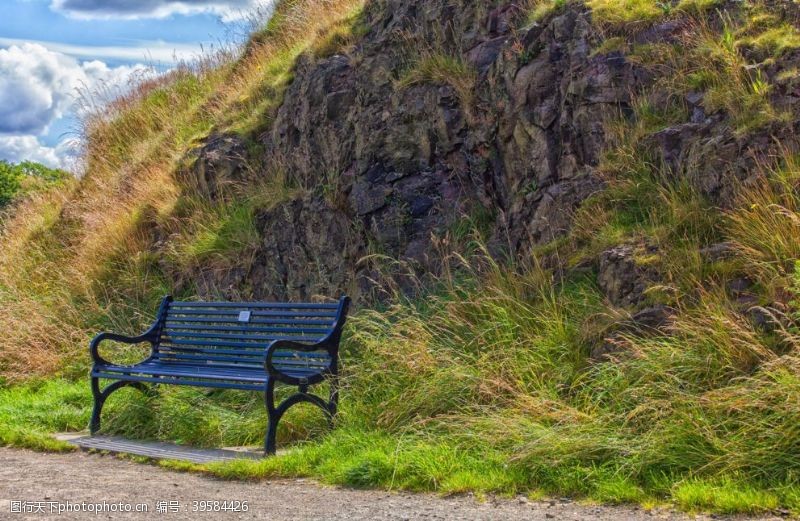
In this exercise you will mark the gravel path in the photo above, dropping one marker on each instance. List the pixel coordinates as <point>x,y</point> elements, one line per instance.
<point>45,480</point>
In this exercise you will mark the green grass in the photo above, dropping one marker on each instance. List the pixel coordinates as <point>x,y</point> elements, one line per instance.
<point>725,497</point>
<point>538,10</point>
<point>444,69</point>
<point>775,40</point>
<point>486,387</point>
<point>232,231</point>
<point>29,414</point>
<point>341,36</point>
<point>626,12</point>
<point>357,456</point>
<point>698,6</point>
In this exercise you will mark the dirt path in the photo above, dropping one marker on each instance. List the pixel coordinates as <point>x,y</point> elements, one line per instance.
<point>45,480</point>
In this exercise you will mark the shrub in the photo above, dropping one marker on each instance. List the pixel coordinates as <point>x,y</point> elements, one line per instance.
<point>25,178</point>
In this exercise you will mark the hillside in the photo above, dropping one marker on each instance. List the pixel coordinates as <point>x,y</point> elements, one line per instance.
<point>570,229</point>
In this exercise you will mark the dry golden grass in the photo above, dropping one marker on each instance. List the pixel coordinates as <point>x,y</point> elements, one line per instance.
<point>765,225</point>
<point>78,260</point>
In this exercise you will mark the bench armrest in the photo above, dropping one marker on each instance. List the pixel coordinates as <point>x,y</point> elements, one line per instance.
<point>288,345</point>
<point>151,335</point>
<point>96,341</point>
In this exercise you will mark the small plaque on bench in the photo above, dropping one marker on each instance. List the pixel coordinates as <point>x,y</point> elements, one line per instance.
<point>244,316</point>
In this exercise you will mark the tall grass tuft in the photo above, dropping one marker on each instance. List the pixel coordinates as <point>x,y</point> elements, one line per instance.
<point>766,221</point>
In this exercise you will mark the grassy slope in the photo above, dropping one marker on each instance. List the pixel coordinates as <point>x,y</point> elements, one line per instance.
<point>486,385</point>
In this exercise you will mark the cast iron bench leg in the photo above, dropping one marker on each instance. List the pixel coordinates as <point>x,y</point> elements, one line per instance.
<point>273,418</point>
<point>100,398</point>
<point>276,413</point>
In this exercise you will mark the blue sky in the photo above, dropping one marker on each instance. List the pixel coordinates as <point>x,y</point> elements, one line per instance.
<point>51,48</point>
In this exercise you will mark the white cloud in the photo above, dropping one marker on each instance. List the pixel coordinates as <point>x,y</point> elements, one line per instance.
<point>131,9</point>
<point>22,148</point>
<point>38,87</point>
<point>140,50</point>
<point>65,155</point>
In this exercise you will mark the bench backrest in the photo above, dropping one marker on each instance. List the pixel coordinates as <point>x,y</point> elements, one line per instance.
<point>236,334</point>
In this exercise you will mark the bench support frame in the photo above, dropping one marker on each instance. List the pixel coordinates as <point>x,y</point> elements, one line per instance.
<point>100,398</point>
<point>302,395</point>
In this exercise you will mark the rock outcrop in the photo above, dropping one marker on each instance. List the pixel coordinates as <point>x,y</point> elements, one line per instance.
<point>393,166</point>
<point>409,162</point>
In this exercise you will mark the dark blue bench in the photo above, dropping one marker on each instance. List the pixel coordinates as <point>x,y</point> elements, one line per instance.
<point>232,345</point>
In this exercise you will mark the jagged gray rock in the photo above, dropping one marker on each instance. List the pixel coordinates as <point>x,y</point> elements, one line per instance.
<point>411,162</point>
<point>622,278</point>
<point>393,168</point>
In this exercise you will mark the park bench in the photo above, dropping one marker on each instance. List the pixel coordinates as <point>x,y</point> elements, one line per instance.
<point>233,345</point>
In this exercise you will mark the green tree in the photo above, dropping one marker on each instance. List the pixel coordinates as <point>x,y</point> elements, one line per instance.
<point>38,170</point>
<point>10,183</point>
<point>26,177</point>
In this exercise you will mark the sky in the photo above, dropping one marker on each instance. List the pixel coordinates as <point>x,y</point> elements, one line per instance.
<point>51,51</point>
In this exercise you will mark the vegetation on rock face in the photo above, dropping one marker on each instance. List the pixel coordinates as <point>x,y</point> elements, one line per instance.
<point>647,353</point>
<point>439,68</point>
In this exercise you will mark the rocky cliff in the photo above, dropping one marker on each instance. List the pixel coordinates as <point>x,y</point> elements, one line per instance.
<point>409,162</point>
<point>448,111</point>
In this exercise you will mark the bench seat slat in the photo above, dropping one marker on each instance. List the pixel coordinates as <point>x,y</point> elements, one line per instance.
<point>257,352</point>
<point>182,381</point>
<point>249,358</point>
<point>223,335</point>
<point>223,362</point>
<point>167,358</point>
<point>288,368</point>
<point>198,371</point>
<point>245,354</point>
<point>246,357</point>
<point>170,357</point>
<point>311,328</point>
<point>234,319</point>
<point>234,312</point>
<point>237,344</point>
<point>248,305</point>
<point>301,354</point>
<point>252,358</point>
<point>193,380</point>
<point>201,371</point>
